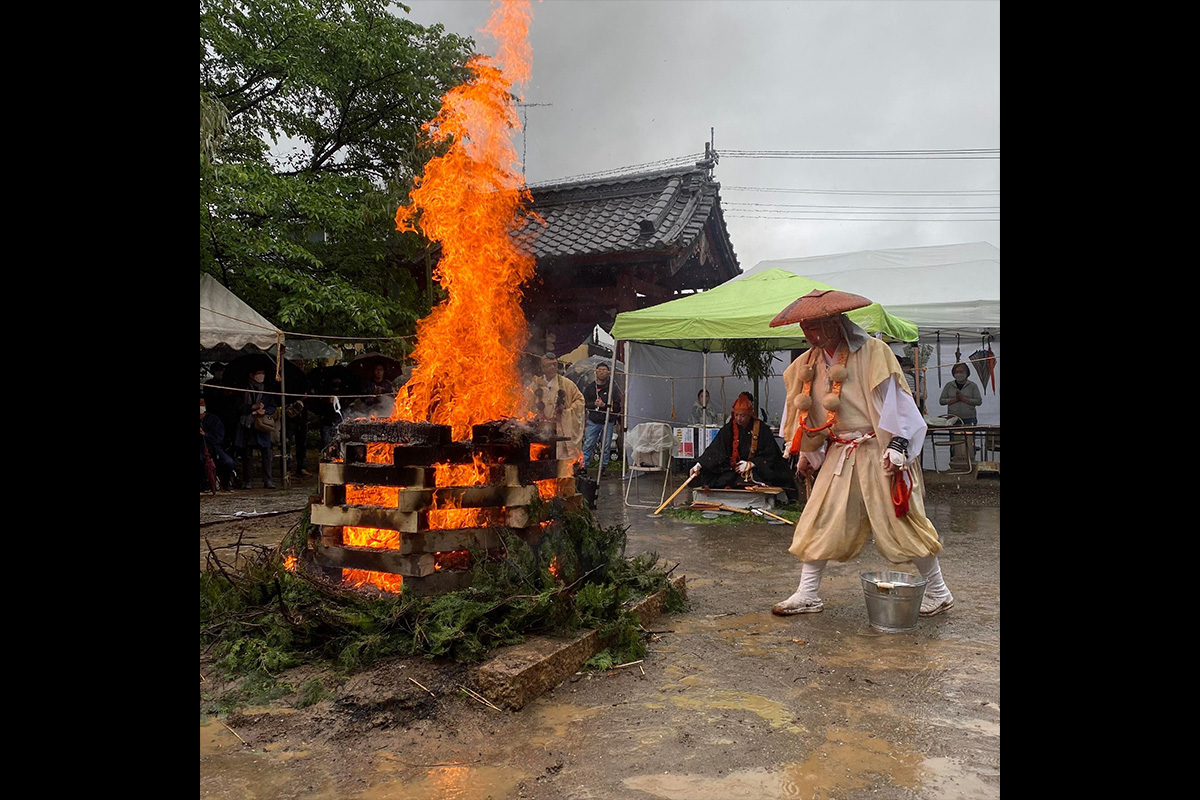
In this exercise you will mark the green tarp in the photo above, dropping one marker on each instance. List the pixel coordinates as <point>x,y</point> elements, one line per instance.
<point>743,309</point>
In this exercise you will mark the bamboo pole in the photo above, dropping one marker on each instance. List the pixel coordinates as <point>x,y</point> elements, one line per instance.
<point>677,491</point>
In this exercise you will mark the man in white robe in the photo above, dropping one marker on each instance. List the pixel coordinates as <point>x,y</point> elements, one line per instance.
<point>862,437</point>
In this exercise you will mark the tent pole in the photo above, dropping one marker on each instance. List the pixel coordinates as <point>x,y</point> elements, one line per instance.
<point>279,353</point>
<point>612,379</point>
<point>704,413</point>
<point>917,372</point>
<point>628,369</point>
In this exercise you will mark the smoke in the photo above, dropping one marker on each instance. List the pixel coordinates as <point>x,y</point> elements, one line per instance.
<point>380,407</point>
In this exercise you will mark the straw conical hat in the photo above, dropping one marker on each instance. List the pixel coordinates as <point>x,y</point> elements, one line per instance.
<point>817,304</point>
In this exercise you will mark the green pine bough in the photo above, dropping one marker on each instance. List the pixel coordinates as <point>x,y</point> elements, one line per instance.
<point>259,619</point>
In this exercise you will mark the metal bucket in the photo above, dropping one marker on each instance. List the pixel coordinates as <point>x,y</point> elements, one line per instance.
<point>893,600</point>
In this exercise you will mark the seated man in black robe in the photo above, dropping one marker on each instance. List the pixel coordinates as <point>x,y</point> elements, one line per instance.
<point>743,452</point>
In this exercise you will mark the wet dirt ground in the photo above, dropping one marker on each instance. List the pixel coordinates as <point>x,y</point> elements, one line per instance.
<point>730,702</point>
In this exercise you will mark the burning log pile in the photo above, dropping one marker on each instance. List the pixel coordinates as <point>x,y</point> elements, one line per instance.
<point>407,504</point>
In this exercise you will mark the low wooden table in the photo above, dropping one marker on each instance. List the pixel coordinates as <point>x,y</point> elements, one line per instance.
<point>740,498</point>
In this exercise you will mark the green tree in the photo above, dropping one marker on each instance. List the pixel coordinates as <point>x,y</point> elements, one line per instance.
<point>751,360</point>
<point>310,116</point>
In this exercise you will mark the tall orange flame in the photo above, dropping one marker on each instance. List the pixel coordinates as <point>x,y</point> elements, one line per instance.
<point>470,200</point>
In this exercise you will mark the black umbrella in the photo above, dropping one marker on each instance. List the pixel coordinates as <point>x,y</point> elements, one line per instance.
<point>238,371</point>
<point>981,361</point>
<point>321,380</point>
<point>364,366</point>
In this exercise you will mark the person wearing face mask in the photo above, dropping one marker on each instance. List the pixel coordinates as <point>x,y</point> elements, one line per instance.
<point>255,401</point>
<point>212,435</point>
<point>961,397</point>
<point>851,422</point>
<point>702,412</point>
<point>743,451</point>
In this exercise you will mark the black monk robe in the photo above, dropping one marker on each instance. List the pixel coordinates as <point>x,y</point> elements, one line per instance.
<point>716,471</point>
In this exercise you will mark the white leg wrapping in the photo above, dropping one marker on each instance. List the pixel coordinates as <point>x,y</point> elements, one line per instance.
<point>936,589</point>
<point>810,578</point>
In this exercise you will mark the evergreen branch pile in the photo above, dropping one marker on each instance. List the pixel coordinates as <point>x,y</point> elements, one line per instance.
<point>259,618</point>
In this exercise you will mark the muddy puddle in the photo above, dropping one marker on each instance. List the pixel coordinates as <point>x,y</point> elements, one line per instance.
<point>449,782</point>
<point>847,760</point>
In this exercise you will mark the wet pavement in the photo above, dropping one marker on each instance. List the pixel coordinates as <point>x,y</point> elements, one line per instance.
<point>730,702</point>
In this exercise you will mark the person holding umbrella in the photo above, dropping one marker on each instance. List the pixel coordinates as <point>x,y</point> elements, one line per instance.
<point>851,422</point>
<point>256,411</point>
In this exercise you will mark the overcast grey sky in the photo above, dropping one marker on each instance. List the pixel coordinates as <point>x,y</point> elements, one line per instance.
<point>639,81</point>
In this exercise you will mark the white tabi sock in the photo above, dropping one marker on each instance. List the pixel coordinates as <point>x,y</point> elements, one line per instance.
<point>936,588</point>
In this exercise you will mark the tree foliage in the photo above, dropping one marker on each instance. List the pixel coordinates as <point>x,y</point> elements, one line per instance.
<point>310,116</point>
<point>750,359</point>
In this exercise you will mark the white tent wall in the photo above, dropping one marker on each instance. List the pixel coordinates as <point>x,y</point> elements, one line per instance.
<point>661,378</point>
<point>653,393</point>
<point>989,412</point>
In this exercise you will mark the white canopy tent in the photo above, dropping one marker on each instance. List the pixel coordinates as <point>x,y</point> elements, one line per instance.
<point>953,288</point>
<point>226,318</point>
<point>952,293</point>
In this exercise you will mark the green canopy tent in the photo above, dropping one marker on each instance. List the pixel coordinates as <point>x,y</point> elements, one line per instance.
<point>743,309</point>
<point>739,309</point>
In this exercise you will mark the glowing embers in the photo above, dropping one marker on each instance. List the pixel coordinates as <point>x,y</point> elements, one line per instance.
<point>554,567</point>
<point>289,563</point>
<point>548,488</point>
<point>540,451</point>
<point>477,473</point>
<point>452,560</point>
<point>375,496</point>
<point>359,578</point>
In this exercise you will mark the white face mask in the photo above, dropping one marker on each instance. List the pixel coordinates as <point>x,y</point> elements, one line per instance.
<point>201,409</point>
<point>258,377</point>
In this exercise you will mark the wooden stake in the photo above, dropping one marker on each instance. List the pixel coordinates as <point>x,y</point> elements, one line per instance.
<point>478,697</point>
<point>769,514</point>
<point>630,664</point>
<point>235,733</point>
<point>677,491</point>
<point>431,694</point>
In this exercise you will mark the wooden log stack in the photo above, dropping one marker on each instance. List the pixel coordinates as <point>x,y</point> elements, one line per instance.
<point>397,465</point>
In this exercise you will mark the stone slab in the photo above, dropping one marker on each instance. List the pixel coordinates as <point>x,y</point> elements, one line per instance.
<point>514,676</point>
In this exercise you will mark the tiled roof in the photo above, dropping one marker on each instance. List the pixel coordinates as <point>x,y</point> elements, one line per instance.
<point>662,211</point>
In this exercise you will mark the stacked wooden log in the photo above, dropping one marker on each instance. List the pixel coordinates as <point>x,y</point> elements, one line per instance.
<point>401,462</point>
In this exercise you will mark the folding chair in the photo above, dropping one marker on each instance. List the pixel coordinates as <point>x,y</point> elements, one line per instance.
<point>653,443</point>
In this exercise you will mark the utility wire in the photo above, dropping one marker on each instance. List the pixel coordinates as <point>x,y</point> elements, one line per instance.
<point>861,219</point>
<point>898,209</point>
<point>930,192</point>
<point>664,163</point>
<point>970,153</point>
